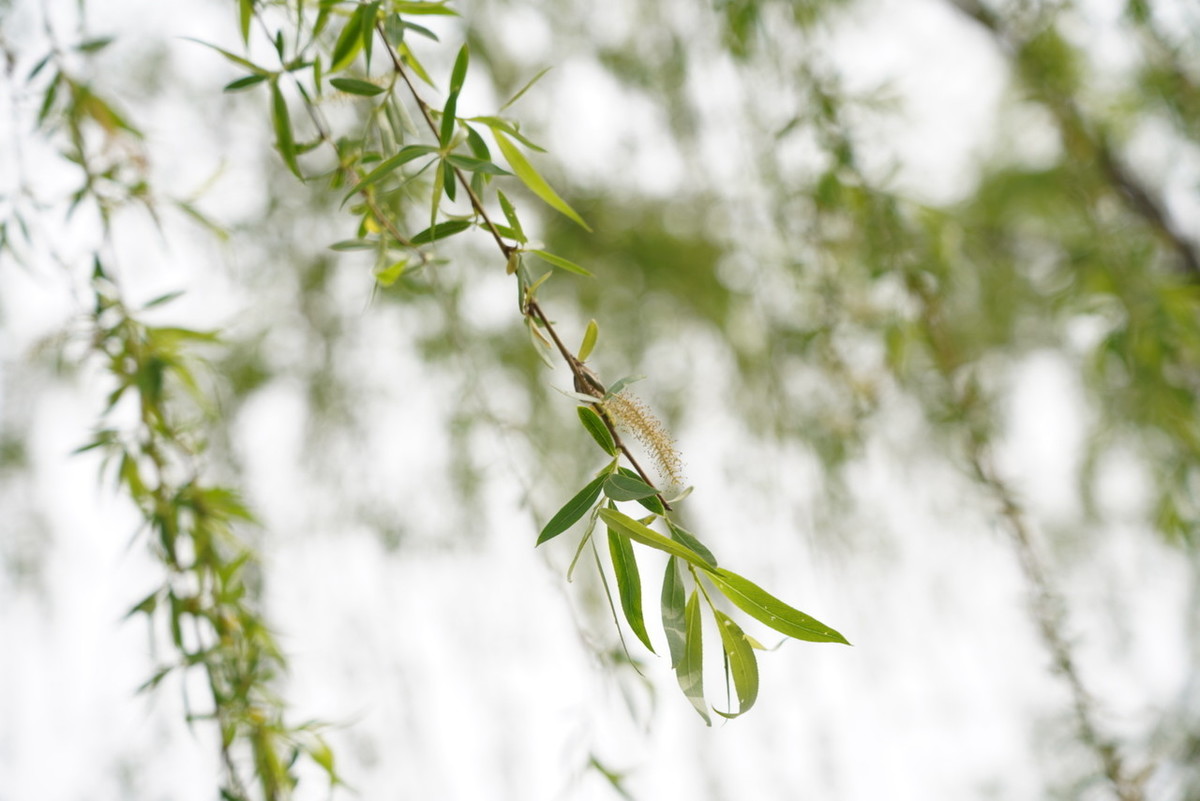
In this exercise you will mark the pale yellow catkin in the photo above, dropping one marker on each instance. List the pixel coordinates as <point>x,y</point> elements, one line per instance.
<point>632,415</point>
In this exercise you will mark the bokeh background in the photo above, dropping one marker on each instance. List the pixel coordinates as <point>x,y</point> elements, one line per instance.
<point>898,274</point>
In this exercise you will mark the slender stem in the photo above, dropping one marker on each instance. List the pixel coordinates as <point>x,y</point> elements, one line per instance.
<point>584,378</point>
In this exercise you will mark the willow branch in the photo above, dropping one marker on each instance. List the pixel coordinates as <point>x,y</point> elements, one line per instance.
<point>584,379</point>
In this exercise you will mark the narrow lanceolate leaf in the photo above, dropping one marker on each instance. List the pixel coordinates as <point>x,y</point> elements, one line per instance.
<point>690,670</point>
<point>589,340</point>
<point>624,524</point>
<point>476,165</point>
<point>573,509</point>
<point>356,87</point>
<point>532,179</point>
<point>283,130</point>
<point>246,13</point>
<point>441,231</point>
<point>459,74</point>
<point>674,623</point>
<point>629,585</point>
<point>680,534</point>
<point>350,41</point>
<point>624,488</point>
<point>742,663</point>
<point>385,168</point>
<point>244,83</point>
<point>651,502</point>
<point>528,85</point>
<point>559,261</point>
<point>595,426</point>
<point>511,215</point>
<point>762,606</point>
<point>406,7</point>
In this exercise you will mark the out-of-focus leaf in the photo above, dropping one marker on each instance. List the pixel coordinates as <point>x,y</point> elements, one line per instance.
<point>390,274</point>
<point>244,83</point>
<point>283,130</point>
<point>476,165</point>
<point>441,231</point>
<point>510,214</point>
<point>356,87</point>
<point>405,155</point>
<point>459,74</point>
<point>245,14</point>
<point>441,9</point>
<point>528,85</point>
<point>589,340</point>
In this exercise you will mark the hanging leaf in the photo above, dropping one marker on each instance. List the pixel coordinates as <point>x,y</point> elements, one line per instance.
<point>739,655</point>
<point>573,509</point>
<point>532,179</point>
<point>476,165</point>
<point>651,502</point>
<point>680,534</point>
<point>559,261</point>
<point>246,13</point>
<point>283,130</point>
<point>510,214</point>
<point>625,488</point>
<point>441,231</point>
<point>639,532</point>
<point>690,670</point>
<point>762,606</point>
<point>528,85</point>
<point>406,155</point>
<point>350,40</point>
<point>595,426</point>
<point>629,585</point>
<point>673,620</point>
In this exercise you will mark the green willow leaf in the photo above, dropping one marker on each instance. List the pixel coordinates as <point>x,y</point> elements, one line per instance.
<point>674,623</point>
<point>762,606</point>
<point>629,584</point>
<point>244,83</point>
<point>350,40</point>
<point>742,663</point>
<point>510,214</point>
<point>532,179</point>
<point>589,340</point>
<point>245,14</point>
<point>459,74</point>
<point>573,509</point>
<point>528,85</point>
<point>476,165</point>
<point>406,155</point>
<point>624,488</point>
<point>441,231</point>
<point>356,87</point>
<point>681,534</point>
<point>690,670</point>
<point>283,130</point>
<point>639,532</point>
<point>406,7</point>
<point>504,126</point>
<point>651,502</point>
<point>236,59</point>
<point>559,261</point>
<point>595,426</point>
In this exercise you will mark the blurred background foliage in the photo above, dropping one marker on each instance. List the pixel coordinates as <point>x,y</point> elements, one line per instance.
<point>775,252</point>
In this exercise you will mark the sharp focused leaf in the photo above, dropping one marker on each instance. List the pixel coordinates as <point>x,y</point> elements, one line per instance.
<point>650,502</point>
<point>629,585</point>
<point>673,620</point>
<point>647,536</point>
<point>573,509</point>
<point>283,130</point>
<point>595,426</point>
<point>687,538</point>
<point>441,231</point>
<point>356,87</point>
<point>742,663</point>
<point>690,670</point>
<point>532,179</point>
<point>624,488</point>
<point>589,340</point>
<point>762,606</point>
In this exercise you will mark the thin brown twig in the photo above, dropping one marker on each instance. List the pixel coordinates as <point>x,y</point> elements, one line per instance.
<point>583,376</point>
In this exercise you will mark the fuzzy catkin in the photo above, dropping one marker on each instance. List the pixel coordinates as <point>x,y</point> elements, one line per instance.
<point>633,416</point>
